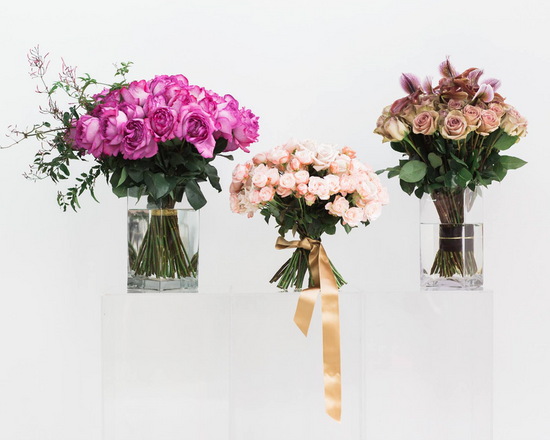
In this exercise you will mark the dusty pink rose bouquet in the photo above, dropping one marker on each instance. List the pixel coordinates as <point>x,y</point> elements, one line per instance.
<point>452,136</point>
<point>309,189</point>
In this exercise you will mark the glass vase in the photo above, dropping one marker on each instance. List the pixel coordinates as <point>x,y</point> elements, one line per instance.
<point>451,240</point>
<point>163,245</point>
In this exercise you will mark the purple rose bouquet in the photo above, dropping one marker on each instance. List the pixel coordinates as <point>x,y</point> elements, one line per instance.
<point>155,138</point>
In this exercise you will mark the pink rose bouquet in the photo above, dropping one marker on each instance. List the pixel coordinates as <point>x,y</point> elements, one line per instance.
<point>309,189</point>
<point>452,136</point>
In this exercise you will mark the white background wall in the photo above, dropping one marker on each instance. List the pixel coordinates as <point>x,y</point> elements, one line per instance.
<point>322,70</point>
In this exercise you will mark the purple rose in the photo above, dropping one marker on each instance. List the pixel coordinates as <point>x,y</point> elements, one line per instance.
<point>209,105</point>
<point>197,128</point>
<point>169,86</point>
<point>138,141</point>
<point>108,98</point>
<point>247,131</point>
<point>228,116</point>
<point>136,93</point>
<point>112,123</point>
<point>162,122</point>
<point>88,136</point>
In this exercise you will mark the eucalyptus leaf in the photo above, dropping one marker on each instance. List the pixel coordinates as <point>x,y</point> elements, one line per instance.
<point>413,171</point>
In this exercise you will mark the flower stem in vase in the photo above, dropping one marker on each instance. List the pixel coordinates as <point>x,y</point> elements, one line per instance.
<point>162,253</point>
<point>455,255</point>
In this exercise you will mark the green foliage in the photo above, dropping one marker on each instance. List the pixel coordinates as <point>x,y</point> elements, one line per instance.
<point>432,163</point>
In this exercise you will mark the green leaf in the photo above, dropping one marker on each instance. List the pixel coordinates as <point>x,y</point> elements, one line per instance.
<point>440,145</point>
<point>418,193</point>
<point>194,195</point>
<point>157,185</point>
<point>397,146</point>
<point>64,168</point>
<point>347,228</point>
<point>511,162</point>
<point>136,175</point>
<point>407,187</point>
<point>413,171</point>
<point>500,171</point>
<point>460,161</point>
<point>464,177</point>
<point>435,160</point>
<point>330,230</point>
<point>213,177</point>
<point>505,141</point>
<point>123,176</point>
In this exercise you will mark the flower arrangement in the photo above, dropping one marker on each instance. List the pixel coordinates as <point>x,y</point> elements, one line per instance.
<point>452,136</point>
<point>154,137</point>
<point>308,188</point>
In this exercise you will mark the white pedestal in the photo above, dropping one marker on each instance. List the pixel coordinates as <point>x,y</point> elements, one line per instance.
<point>415,366</point>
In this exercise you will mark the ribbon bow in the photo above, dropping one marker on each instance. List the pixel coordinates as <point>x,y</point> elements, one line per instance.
<point>324,282</point>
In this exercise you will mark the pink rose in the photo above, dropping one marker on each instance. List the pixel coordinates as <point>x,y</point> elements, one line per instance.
<point>272,176</point>
<point>349,152</point>
<point>240,173</point>
<point>235,187</point>
<point>425,123</point>
<point>267,193</point>
<point>284,192</point>
<point>489,122</point>
<point>367,190</point>
<point>353,216</point>
<point>347,184</point>
<point>383,196</point>
<point>333,182</point>
<point>259,158</point>
<point>454,126</point>
<point>302,177</point>
<point>310,199</point>
<point>295,164</point>
<point>338,207</point>
<point>259,180</point>
<point>278,156</point>
<point>319,187</point>
<point>323,157</point>
<point>304,156</point>
<point>373,211</point>
<point>254,197</point>
<point>472,114</point>
<point>138,140</point>
<point>88,136</point>
<point>301,189</point>
<point>287,181</point>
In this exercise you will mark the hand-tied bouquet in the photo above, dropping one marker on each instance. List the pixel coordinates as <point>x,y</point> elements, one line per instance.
<point>156,137</point>
<point>451,137</point>
<point>308,188</point>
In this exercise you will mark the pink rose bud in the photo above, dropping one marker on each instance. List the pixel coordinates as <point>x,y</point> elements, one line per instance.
<point>349,152</point>
<point>295,164</point>
<point>259,158</point>
<point>310,199</point>
<point>302,189</point>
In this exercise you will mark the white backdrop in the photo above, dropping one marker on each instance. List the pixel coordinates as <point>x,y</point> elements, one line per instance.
<point>321,70</point>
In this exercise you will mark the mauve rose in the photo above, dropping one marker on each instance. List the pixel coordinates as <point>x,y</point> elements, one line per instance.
<point>162,122</point>
<point>88,136</point>
<point>246,132</point>
<point>113,123</point>
<point>394,129</point>
<point>138,140</point>
<point>513,123</point>
<point>497,108</point>
<point>136,93</point>
<point>425,123</point>
<point>489,122</point>
<point>197,128</point>
<point>455,104</point>
<point>472,114</point>
<point>454,126</point>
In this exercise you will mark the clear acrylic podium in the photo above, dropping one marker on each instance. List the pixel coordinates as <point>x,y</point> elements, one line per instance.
<point>415,366</point>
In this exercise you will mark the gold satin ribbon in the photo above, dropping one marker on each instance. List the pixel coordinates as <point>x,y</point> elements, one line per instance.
<point>324,282</point>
